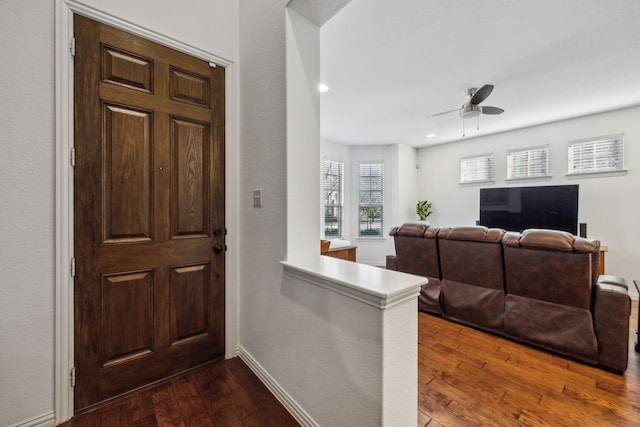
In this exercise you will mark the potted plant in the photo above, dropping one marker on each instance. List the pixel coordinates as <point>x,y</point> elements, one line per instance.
<point>423,209</point>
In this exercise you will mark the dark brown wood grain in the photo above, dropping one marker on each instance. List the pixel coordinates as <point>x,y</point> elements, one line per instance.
<point>225,393</point>
<point>148,196</point>
<point>469,377</point>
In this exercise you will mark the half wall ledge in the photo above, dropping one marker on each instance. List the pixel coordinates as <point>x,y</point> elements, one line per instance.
<point>371,285</point>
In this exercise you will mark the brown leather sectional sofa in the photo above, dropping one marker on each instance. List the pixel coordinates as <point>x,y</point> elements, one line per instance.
<point>539,287</point>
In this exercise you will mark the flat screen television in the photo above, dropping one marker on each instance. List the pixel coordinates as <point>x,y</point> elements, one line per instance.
<point>552,207</point>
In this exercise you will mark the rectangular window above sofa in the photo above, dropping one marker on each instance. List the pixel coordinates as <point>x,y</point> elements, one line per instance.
<point>476,169</point>
<point>596,155</point>
<point>528,163</point>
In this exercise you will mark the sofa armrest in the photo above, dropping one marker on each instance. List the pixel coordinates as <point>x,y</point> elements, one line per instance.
<point>392,262</point>
<point>611,310</point>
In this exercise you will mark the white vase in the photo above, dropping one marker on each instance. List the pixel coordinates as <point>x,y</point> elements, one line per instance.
<point>425,222</point>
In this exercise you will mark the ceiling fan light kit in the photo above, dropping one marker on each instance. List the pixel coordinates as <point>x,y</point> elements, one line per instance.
<point>469,111</point>
<point>472,109</point>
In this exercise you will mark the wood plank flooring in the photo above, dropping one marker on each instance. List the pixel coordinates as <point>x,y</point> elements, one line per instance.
<point>470,378</point>
<point>465,378</point>
<point>225,393</point>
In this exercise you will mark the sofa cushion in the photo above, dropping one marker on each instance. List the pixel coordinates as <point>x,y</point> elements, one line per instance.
<point>547,239</point>
<point>429,298</point>
<point>556,277</point>
<point>473,234</point>
<point>556,327</point>
<point>477,306</point>
<point>417,250</point>
<point>472,262</point>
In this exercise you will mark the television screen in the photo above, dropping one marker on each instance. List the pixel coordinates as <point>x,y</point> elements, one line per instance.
<point>518,208</point>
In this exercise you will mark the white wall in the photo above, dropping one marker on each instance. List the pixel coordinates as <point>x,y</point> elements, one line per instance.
<point>608,204</point>
<point>404,185</point>
<point>27,167</point>
<point>27,259</point>
<point>303,134</point>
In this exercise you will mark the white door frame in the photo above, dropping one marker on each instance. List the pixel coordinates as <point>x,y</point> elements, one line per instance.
<point>64,320</point>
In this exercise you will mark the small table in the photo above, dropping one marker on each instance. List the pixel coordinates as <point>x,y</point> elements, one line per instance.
<point>345,252</point>
<point>636,283</point>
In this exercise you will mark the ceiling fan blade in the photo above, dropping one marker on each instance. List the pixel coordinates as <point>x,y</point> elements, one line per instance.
<point>445,112</point>
<point>492,110</point>
<point>481,94</point>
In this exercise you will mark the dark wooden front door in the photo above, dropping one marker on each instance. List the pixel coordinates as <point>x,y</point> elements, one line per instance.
<point>148,212</point>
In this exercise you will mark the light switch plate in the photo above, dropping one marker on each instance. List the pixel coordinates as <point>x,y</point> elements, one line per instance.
<point>257,198</point>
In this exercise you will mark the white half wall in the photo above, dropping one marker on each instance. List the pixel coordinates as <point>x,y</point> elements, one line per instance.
<point>608,204</point>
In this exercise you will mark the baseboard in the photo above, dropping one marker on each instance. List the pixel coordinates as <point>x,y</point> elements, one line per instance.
<point>276,389</point>
<point>44,420</point>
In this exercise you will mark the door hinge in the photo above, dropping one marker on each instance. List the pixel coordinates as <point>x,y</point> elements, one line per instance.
<point>72,377</point>
<point>72,157</point>
<point>72,47</point>
<point>72,267</point>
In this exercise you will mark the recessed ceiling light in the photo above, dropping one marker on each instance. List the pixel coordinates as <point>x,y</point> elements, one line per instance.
<point>431,135</point>
<point>322,88</point>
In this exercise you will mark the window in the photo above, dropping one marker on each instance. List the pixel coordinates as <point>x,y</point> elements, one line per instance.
<point>528,163</point>
<point>604,154</point>
<point>370,196</point>
<point>333,189</point>
<point>476,169</point>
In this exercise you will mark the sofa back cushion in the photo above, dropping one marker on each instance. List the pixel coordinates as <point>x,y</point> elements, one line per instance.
<point>472,276</point>
<point>472,255</point>
<point>549,265</point>
<point>416,249</point>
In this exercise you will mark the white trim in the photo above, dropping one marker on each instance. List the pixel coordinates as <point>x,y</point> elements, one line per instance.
<point>44,420</point>
<point>276,389</point>
<point>232,203</point>
<point>63,357</point>
<point>121,24</point>
<point>64,326</point>
<point>370,285</point>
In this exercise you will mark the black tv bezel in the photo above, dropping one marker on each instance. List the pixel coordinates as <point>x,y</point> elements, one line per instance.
<point>499,196</point>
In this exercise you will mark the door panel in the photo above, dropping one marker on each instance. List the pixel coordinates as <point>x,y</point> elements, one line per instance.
<point>191,176</point>
<point>148,196</point>
<point>127,168</point>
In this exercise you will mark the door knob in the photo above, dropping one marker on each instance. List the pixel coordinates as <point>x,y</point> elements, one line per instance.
<point>217,249</point>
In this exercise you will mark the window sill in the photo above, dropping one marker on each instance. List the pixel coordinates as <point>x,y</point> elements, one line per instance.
<point>530,178</point>
<point>602,174</point>
<point>372,238</point>
<point>471,183</point>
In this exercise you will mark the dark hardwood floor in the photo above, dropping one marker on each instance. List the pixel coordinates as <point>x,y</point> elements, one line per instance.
<point>225,393</point>
<point>465,378</point>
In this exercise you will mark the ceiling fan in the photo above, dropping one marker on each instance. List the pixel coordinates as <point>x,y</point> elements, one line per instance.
<point>472,107</point>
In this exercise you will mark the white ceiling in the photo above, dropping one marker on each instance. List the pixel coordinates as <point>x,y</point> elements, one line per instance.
<point>392,65</point>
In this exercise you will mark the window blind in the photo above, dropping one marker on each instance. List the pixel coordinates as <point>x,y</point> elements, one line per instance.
<point>476,169</point>
<point>370,200</point>
<point>528,163</point>
<point>333,190</point>
<point>604,154</point>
